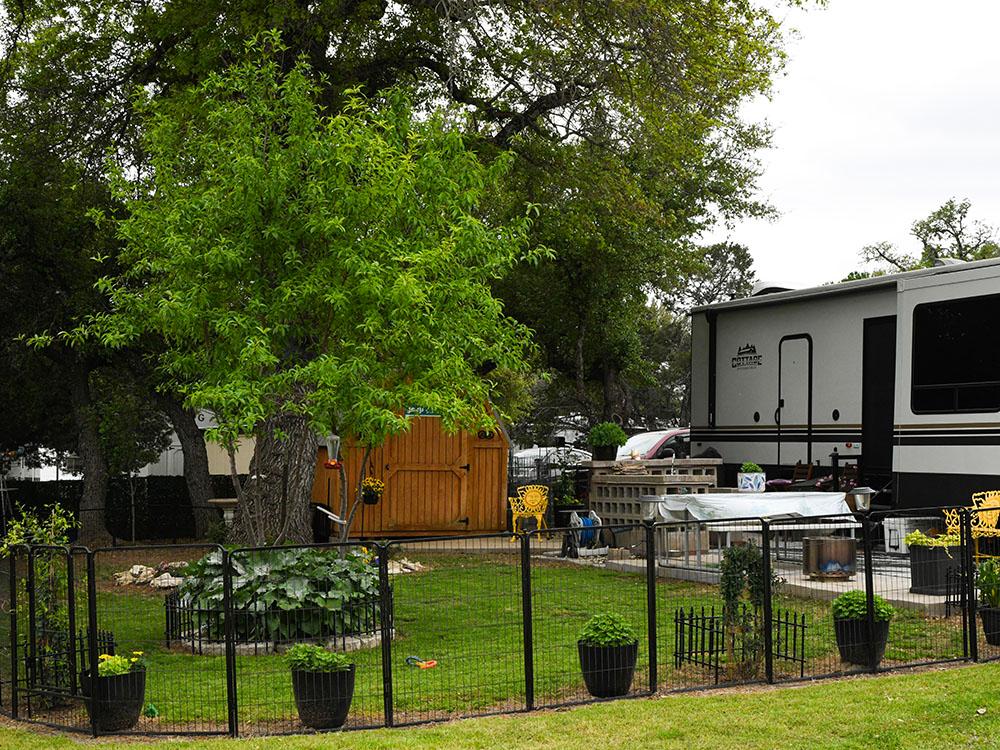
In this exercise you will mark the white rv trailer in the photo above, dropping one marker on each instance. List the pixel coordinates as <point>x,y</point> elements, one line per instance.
<point>901,370</point>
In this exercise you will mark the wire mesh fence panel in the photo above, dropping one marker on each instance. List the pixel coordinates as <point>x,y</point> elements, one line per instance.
<point>326,596</point>
<point>458,641</point>
<point>819,601</point>
<point>923,591</point>
<point>706,638</point>
<point>178,692</point>
<point>565,594</point>
<point>980,574</point>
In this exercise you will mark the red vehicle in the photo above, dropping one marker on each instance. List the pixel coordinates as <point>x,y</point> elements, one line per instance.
<point>674,443</point>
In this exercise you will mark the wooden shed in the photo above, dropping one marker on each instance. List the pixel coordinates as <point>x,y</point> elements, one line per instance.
<point>435,483</point>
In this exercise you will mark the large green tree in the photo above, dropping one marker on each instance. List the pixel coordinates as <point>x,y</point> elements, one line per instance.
<point>311,273</point>
<point>947,232</point>
<point>624,117</point>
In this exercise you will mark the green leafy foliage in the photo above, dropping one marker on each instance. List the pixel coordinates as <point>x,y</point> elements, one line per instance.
<point>606,433</point>
<point>309,658</point>
<point>918,538</point>
<point>287,594</point>
<point>749,467</point>
<point>853,605</point>
<point>742,582</point>
<point>336,267</point>
<point>607,629</point>
<point>988,581</point>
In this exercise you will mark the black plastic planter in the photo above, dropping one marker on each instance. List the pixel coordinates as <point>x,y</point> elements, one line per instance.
<point>990,617</point>
<point>608,670</point>
<point>605,452</point>
<point>929,568</point>
<point>852,640</point>
<point>119,699</point>
<point>323,698</point>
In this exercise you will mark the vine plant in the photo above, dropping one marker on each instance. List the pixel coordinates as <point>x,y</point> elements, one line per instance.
<point>741,583</point>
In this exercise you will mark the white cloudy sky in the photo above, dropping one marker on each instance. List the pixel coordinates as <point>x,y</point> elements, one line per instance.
<point>887,109</point>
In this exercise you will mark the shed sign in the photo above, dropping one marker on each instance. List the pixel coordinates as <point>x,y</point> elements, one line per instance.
<point>747,358</point>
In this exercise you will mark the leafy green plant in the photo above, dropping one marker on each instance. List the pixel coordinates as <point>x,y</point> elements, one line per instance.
<point>988,581</point>
<point>607,629</point>
<point>853,605</point>
<point>308,658</point>
<point>741,583</point>
<point>112,665</point>
<point>749,467</point>
<point>322,588</point>
<point>920,539</point>
<point>606,433</point>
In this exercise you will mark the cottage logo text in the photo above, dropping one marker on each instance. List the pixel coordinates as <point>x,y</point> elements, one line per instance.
<point>747,358</point>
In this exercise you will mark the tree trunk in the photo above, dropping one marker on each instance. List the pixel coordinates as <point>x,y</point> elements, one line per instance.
<point>93,532</point>
<point>275,506</point>
<point>199,481</point>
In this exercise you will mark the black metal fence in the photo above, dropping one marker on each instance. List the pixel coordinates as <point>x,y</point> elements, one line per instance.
<point>469,626</point>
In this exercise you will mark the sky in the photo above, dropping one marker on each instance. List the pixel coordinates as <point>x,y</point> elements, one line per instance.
<point>886,109</point>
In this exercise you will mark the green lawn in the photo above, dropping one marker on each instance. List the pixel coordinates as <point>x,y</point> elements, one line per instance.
<point>948,708</point>
<point>465,611</point>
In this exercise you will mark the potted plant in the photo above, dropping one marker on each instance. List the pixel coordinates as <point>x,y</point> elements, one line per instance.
<point>850,622</point>
<point>323,683</point>
<point>605,438</point>
<point>608,647</point>
<point>931,557</point>
<point>118,692</point>
<point>988,581</point>
<point>371,490</point>
<point>751,478</point>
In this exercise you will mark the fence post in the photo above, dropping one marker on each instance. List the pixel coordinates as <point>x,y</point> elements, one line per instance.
<point>385,631</point>
<point>12,557</point>
<point>765,552</point>
<point>866,545</point>
<point>970,583</point>
<point>92,649</point>
<point>31,666</point>
<point>230,636</point>
<point>71,619</point>
<point>526,617</point>
<point>651,603</point>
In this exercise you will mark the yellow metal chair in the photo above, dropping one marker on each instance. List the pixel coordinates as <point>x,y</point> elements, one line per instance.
<point>531,502</point>
<point>983,519</point>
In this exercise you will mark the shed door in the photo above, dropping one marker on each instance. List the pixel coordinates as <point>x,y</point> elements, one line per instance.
<point>794,412</point>
<point>426,479</point>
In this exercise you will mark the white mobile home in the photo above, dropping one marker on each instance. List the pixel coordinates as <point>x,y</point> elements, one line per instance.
<point>902,370</point>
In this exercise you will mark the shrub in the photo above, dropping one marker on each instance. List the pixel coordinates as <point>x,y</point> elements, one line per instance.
<point>112,666</point>
<point>607,629</point>
<point>853,605</point>
<point>749,467</point>
<point>988,581</point>
<point>920,539</point>
<point>287,594</point>
<point>307,658</point>
<point>606,433</point>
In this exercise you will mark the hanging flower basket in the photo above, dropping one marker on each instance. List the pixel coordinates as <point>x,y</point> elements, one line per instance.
<point>371,490</point>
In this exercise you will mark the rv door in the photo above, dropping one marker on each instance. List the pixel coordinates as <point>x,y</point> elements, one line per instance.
<point>794,412</point>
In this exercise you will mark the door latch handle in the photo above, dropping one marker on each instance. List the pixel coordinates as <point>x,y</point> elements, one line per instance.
<point>466,467</point>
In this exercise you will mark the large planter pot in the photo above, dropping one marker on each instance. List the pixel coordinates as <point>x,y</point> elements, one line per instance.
<point>323,698</point>
<point>608,670</point>
<point>929,568</point>
<point>605,452</point>
<point>990,617</point>
<point>755,481</point>
<point>563,512</point>
<point>119,699</point>
<point>852,640</point>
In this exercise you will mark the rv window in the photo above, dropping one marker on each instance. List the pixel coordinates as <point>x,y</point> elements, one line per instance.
<point>956,355</point>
